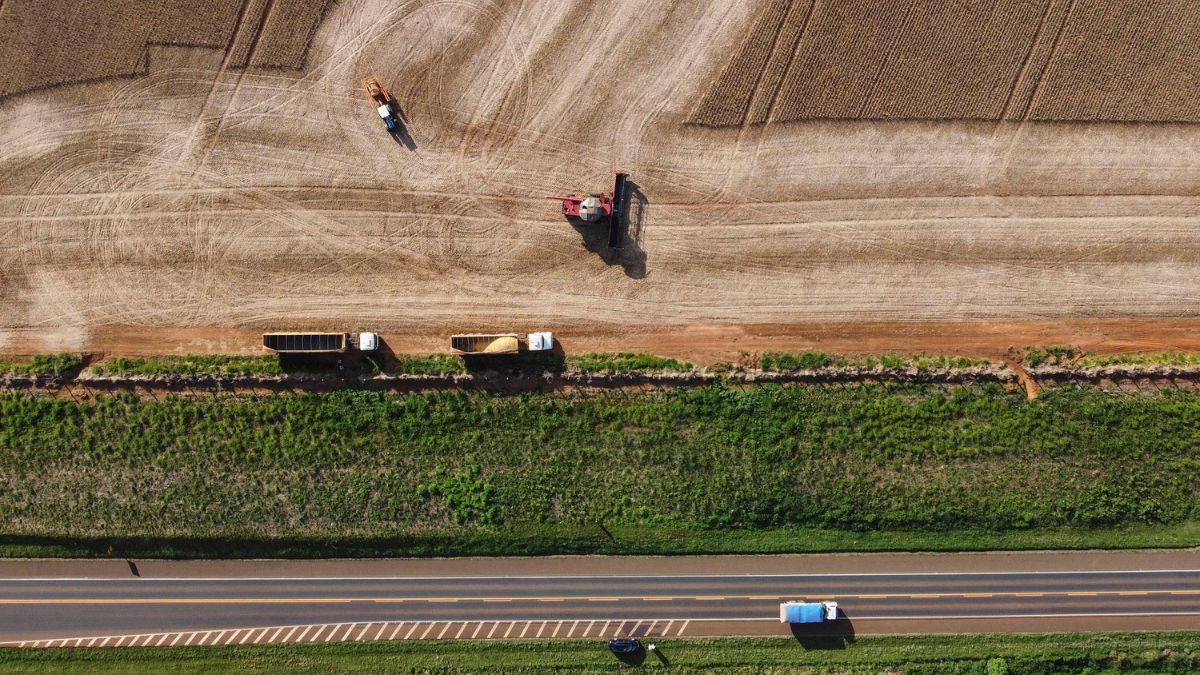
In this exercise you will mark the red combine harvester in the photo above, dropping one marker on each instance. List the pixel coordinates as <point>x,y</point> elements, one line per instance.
<point>597,205</point>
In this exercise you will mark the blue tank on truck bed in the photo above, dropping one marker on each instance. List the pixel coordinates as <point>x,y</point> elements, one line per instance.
<point>807,612</point>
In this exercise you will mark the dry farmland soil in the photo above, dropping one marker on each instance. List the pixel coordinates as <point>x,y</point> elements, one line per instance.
<point>766,469</point>
<point>208,170</point>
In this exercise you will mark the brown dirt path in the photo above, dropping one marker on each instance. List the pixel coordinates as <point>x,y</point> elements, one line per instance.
<point>701,344</point>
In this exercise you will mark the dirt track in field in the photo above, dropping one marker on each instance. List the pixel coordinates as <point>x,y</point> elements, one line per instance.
<point>236,201</point>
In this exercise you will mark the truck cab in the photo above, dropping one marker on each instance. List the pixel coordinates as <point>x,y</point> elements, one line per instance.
<point>368,342</point>
<point>807,612</point>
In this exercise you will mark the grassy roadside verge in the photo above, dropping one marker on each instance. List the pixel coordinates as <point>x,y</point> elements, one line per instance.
<point>982,654</point>
<point>618,540</point>
<point>713,469</point>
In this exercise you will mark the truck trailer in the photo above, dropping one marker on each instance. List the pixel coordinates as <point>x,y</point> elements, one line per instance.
<point>807,612</point>
<point>319,343</point>
<point>500,343</point>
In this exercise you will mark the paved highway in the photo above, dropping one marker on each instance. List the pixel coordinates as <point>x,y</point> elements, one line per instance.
<point>37,609</point>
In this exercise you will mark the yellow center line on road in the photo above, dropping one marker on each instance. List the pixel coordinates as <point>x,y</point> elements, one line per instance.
<point>653,598</point>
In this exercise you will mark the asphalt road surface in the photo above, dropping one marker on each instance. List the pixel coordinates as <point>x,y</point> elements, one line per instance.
<point>241,604</point>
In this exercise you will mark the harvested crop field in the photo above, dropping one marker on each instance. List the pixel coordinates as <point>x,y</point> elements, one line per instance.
<point>241,181</point>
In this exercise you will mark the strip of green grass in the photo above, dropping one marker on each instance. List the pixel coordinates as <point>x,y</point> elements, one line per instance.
<point>433,364</point>
<point>1162,359</point>
<point>982,654</point>
<point>613,539</point>
<point>784,361</point>
<point>709,469</point>
<point>625,363</point>
<point>42,364</point>
<point>194,364</point>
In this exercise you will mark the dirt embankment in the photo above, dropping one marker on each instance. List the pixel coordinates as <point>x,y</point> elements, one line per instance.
<point>697,343</point>
<point>1127,378</point>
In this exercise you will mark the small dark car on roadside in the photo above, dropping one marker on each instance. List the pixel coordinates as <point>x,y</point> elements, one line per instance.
<point>624,646</point>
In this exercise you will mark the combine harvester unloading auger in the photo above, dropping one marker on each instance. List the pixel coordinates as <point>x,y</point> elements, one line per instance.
<point>598,206</point>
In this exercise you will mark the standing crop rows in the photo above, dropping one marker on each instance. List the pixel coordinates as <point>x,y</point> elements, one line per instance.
<point>728,100</point>
<point>286,33</point>
<point>1015,59</point>
<point>57,42</point>
<point>1125,61</point>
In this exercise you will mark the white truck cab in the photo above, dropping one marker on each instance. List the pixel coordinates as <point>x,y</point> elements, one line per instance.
<point>541,342</point>
<point>368,342</point>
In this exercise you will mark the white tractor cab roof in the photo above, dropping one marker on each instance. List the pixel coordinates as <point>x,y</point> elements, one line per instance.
<point>540,342</point>
<point>385,111</point>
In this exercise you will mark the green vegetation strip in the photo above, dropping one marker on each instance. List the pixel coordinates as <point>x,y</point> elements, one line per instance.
<point>625,363</point>
<point>191,365</point>
<point>784,361</point>
<point>42,364</point>
<point>716,469</point>
<point>964,654</point>
<point>1163,359</point>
